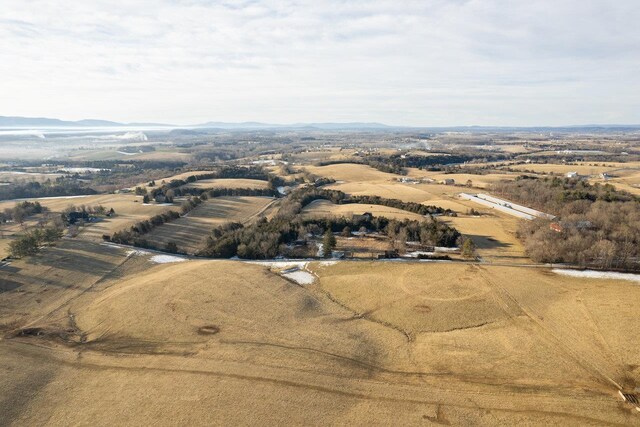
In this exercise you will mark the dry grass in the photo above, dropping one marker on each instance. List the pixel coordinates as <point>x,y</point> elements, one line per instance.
<point>527,318</point>
<point>324,209</point>
<point>494,236</point>
<point>351,172</point>
<point>230,183</point>
<point>581,169</point>
<point>221,342</point>
<point>481,181</point>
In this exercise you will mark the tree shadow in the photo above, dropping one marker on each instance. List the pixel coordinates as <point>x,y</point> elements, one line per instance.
<point>486,242</point>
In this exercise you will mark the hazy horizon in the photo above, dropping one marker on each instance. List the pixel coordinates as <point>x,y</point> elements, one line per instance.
<point>423,64</point>
<point>133,125</point>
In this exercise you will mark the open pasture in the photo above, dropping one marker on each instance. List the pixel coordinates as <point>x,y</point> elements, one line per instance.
<point>493,234</point>
<point>351,172</point>
<point>326,209</point>
<point>561,169</point>
<point>401,342</point>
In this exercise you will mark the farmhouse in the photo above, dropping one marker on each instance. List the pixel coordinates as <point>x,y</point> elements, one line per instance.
<point>407,180</point>
<point>448,181</point>
<point>367,216</point>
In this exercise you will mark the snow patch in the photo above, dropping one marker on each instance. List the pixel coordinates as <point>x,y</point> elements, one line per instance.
<point>137,252</point>
<point>592,274</point>
<point>445,249</point>
<point>301,277</point>
<point>416,254</point>
<point>53,198</point>
<point>164,259</point>
<point>327,263</point>
<point>281,264</point>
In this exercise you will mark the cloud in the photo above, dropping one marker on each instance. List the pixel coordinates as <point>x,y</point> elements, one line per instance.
<point>424,62</point>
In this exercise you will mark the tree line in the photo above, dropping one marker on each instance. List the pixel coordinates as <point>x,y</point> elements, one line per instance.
<point>178,187</point>
<point>269,238</point>
<point>135,234</point>
<point>61,186</point>
<point>597,226</point>
<point>307,195</point>
<point>21,211</point>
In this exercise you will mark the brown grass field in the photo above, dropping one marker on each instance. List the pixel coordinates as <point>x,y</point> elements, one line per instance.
<point>560,169</point>
<point>92,334</point>
<point>188,232</point>
<point>351,172</point>
<point>324,208</point>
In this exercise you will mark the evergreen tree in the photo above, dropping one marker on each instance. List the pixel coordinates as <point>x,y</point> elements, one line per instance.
<point>328,243</point>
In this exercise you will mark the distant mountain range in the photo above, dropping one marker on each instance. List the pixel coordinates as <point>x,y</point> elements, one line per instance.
<point>41,122</point>
<point>26,122</point>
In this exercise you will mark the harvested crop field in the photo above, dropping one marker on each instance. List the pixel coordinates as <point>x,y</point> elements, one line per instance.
<point>93,333</point>
<point>351,172</point>
<point>189,231</point>
<point>324,208</point>
<point>389,190</point>
<point>229,183</point>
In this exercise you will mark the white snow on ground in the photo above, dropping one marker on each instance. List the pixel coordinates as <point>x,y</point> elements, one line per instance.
<point>125,153</point>
<point>293,270</point>
<point>327,263</point>
<point>137,252</point>
<point>164,259</point>
<point>591,274</point>
<point>416,254</point>
<point>83,170</point>
<point>445,249</point>
<point>157,204</point>
<point>301,277</point>
<point>53,197</point>
<point>280,264</point>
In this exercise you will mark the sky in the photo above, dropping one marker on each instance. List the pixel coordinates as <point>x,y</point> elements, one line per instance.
<point>417,63</point>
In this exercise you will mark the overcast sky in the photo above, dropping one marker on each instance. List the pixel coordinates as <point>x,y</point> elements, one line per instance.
<point>429,62</point>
